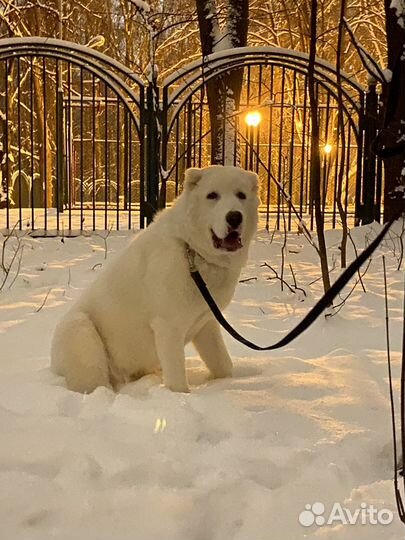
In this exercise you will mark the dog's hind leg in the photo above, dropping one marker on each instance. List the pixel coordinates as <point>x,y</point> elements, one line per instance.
<point>211,347</point>
<point>78,354</point>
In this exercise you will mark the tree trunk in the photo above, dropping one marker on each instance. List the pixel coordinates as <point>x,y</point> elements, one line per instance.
<point>45,161</point>
<point>315,157</point>
<point>391,141</point>
<point>44,133</point>
<point>5,148</point>
<point>341,137</point>
<point>223,91</point>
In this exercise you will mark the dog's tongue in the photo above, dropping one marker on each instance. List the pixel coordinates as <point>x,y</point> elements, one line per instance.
<point>231,242</point>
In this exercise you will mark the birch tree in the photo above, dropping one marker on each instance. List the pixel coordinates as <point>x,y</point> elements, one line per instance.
<point>223,92</point>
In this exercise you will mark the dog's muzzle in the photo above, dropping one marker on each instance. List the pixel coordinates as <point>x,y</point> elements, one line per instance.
<point>231,242</point>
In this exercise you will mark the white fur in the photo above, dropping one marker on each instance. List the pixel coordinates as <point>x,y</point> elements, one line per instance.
<point>144,307</point>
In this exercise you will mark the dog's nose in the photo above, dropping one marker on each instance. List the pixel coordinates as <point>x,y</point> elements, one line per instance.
<point>234,219</point>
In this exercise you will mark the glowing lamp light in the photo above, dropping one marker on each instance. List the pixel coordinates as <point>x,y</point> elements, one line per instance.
<point>253,118</point>
<point>327,148</point>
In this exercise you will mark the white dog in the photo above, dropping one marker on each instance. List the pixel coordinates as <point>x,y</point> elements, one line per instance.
<point>144,307</point>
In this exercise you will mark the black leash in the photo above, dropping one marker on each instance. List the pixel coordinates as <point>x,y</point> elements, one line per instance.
<point>323,303</point>
<point>400,505</point>
<point>397,470</point>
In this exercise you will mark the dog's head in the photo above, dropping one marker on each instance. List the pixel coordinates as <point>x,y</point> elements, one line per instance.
<point>222,207</point>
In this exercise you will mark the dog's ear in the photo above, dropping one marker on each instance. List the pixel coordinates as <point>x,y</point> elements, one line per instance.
<point>192,177</point>
<point>253,179</point>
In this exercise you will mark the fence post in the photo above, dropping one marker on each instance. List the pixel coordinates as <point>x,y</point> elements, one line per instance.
<point>164,156</point>
<point>152,151</point>
<point>60,161</point>
<point>369,212</point>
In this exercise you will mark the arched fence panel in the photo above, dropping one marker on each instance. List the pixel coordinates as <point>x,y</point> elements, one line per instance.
<point>271,131</point>
<point>72,139</point>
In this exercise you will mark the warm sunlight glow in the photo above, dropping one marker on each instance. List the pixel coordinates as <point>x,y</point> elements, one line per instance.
<point>327,148</point>
<point>253,118</point>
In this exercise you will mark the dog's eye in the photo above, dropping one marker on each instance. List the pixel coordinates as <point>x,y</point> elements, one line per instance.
<point>213,195</point>
<point>241,195</point>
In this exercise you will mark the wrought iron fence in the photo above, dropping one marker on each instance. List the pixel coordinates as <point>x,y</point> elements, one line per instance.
<point>72,138</point>
<point>87,145</point>
<point>273,131</point>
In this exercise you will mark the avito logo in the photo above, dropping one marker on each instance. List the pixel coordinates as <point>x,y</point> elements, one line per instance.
<point>314,514</point>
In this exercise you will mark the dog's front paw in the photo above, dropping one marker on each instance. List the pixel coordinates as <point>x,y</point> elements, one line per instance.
<point>182,388</point>
<point>177,386</point>
<point>222,371</point>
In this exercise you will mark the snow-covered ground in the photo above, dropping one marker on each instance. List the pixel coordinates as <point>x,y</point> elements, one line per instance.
<point>235,459</point>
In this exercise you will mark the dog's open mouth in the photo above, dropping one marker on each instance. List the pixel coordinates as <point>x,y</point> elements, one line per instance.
<point>231,242</point>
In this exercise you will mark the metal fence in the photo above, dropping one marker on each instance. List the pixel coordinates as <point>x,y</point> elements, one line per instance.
<point>72,138</point>
<point>85,144</point>
<point>273,129</point>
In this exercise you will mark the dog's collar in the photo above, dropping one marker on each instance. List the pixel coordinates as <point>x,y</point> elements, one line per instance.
<point>191,254</point>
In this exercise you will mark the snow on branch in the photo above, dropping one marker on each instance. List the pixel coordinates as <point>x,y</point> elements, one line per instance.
<point>399,7</point>
<point>368,61</point>
<point>141,5</point>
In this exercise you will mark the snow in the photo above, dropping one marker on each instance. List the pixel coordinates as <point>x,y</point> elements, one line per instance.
<point>234,459</point>
<point>399,7</point>
<point>375,72</point>
<point>3,189</point>
<point>143,6</point>
<point>387,75</point>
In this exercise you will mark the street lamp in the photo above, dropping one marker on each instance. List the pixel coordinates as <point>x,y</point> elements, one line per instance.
<point>252,119</point>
